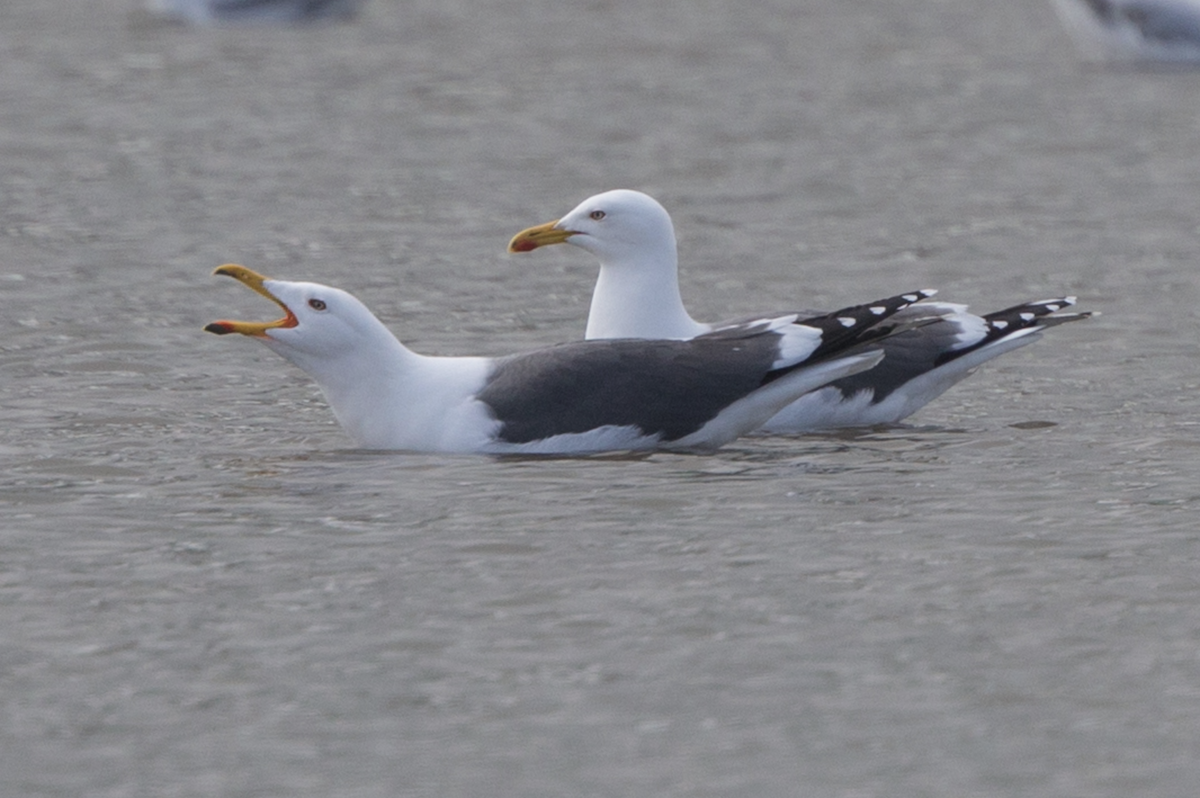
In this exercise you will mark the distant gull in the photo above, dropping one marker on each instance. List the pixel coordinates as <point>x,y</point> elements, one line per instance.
<point>215,12</point>
<point>1134,30</point>
<point>637,296</point>
<point>588,396</point>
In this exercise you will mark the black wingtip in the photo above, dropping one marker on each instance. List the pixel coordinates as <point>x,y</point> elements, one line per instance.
<point>864,323</point>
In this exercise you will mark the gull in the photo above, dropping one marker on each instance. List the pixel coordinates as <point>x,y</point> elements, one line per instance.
<point>637,296</point>
<point>575,398</point>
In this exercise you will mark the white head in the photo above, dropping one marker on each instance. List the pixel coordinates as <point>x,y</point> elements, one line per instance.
<point>385,396</point>
<point>618,227</point>
<point>325,331</point>
<point>637,293</point>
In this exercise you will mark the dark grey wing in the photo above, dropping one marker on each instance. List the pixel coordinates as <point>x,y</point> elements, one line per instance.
<point>665,388</point>
<point>861,324</point>
<point>907,356</point>
<point>1001,324</point>
<point>915,352</point>
<point>840,329</point>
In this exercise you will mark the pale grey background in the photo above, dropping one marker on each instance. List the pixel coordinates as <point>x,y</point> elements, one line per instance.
<point>204,593</point>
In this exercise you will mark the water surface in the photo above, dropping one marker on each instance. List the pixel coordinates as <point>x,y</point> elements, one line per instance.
<point>205,592</point>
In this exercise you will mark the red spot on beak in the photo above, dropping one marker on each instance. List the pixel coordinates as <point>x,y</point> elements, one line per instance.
<point>528,245</point>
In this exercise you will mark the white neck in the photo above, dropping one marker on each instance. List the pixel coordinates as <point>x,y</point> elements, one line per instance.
<point>641,299</point>
<point>385,396</point>
<point>359,386</point>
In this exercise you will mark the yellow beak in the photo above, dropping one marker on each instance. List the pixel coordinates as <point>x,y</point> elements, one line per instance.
<point>541,236</point>
<point>254,281</point>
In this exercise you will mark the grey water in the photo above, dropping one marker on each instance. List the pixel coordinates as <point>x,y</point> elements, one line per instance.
<point>205,592</point>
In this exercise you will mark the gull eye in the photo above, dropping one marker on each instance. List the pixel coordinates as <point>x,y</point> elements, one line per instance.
<point>316,304</point>
<point>597,215</point>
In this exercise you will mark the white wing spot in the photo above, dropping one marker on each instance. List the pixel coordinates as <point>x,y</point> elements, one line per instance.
<point>1000,325</point>
<point>878,310</point>
<point>1027,317</point>
<point>909,297</point>
<point>847,321</point>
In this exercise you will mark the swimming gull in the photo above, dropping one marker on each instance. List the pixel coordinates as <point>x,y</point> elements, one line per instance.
<point>580,397</point>
<point>637,296</point>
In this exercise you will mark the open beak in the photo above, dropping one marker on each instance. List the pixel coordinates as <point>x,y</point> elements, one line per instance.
<point>255,282</point>
<point>541,236</point>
